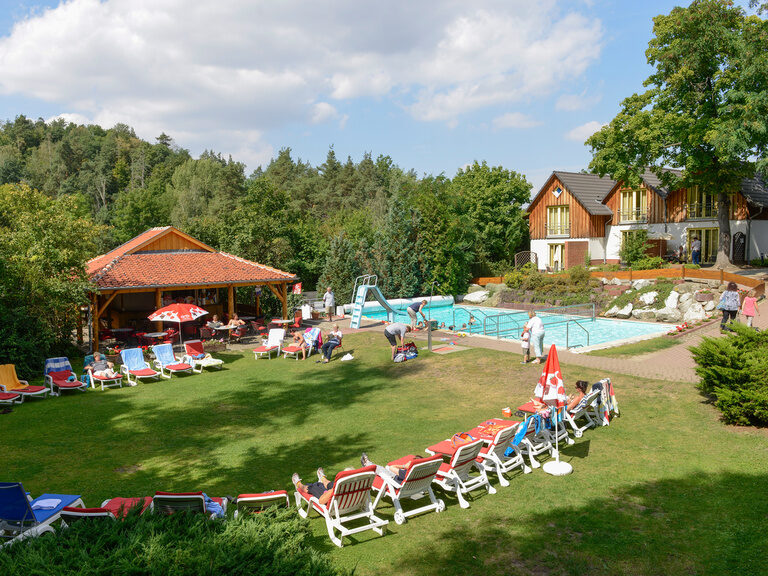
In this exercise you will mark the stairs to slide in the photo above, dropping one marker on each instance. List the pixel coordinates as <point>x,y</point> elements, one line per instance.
<point>365,285</point>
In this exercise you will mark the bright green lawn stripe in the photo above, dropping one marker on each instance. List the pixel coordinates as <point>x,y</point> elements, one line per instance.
<point>637,348</point>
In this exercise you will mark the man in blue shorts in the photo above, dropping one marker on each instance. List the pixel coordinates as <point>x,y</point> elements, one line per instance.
<point>414,310</point>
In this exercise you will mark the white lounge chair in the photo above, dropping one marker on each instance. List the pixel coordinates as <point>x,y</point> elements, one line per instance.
<point>199,359</point>
<point>582,411</point>
<point>255,503</point>
<point>167,362</point>
<point>59,376</point>
<point>493,455</point>
<point>135,365</point>
<point>455,476</point>
<point>170,502</point>
<point>273,343</point>
<point>417,484</point>
<point>310,336</point>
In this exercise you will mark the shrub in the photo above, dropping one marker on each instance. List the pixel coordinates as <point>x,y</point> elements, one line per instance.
<point>275,542</point>
<point>634,247</point>
<point>692,266</point>
<point>732,371</point>
<point>649,263</point>
<point>579,275</point>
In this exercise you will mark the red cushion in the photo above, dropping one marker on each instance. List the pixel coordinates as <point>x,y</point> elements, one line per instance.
<point>69,384</point>
<point>8,396</point>
<point>31,389</point>
<point>445,468</point>
<point>143,372</point>
<point>60,375</point>
<point>121,506</point>
<point>178,493</point>
<point>178,366</point>
<point>402,461</point>
<point>108,377</point>
<point>85,510</point>
<point>263,494</point>
<point>292,348</point>
<point>265,348</point>
<point>444,447</point>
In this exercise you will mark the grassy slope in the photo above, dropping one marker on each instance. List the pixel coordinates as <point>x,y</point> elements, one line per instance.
<point>637,348</point>
<point>667,489</point>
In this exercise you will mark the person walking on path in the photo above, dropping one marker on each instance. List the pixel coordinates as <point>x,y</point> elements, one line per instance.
<point>329,301</point>
<point>749,307</point>
<point>392,332</point>
<point>414,310</point>
<point>696,250</point>
<point>536,327</point>
<point>729,304</point>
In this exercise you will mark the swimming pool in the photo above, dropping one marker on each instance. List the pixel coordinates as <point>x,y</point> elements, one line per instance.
<point>564,330</point>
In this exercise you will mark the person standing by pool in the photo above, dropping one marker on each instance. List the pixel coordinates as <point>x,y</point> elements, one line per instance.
<point>749,307</point>
<point>329,301</point>
<point>392,332</point>
<point>729,304</point>
<point>414,310</point>
<point>696,250</point>
<point>536,327</point>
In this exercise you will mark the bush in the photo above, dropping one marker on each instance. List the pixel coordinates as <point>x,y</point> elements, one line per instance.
<point>732,371</point>
<point>578,275</point>
<point>649,263</point>
<point>692,266</point>
<point>275,542</point>
<point>634,247</point>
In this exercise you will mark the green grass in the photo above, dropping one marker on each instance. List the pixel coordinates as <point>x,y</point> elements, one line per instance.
<point>636,348</point>
<point>663,289</point>
<point>666,489</point>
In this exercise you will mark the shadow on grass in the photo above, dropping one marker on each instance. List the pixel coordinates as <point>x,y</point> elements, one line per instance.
<point>699,524</point>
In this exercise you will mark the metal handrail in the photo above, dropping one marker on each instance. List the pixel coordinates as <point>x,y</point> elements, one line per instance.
<point>369,279</point>
<point>567,333</point>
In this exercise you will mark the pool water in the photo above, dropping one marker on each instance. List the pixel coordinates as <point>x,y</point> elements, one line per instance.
<point>561,329</point>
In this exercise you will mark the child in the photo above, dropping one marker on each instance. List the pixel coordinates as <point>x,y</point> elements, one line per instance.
<point>525,342</point>
<point>749,307</point>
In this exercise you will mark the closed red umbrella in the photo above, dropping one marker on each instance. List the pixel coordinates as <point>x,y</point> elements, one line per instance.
<point>550,390</point>
<point>178,313</point>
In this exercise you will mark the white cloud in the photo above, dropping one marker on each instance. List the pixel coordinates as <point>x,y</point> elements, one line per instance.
<point>240,68</point>
<point>515,120</point>
<point>573,102</point>
<point>581,133</point>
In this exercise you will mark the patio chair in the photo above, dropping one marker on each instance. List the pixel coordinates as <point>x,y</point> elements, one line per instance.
<point>9,382</point>
<point>170,502</point>
<point>104,381</point>
<point>417,483</point>
<point>256,503</point>
<point>273,343</point>
<point>297,320</point>
<point>581,411</point>
<point>10,398</point>
<point>455,476</point>
<point>114,508</point>
<point>350,502</point>
<point>311,338</point>
<point>494,458</point>
<point>22,517</point>
<point>171,335</point>
<point>167,363</point>
<point>58,375</point>
<point>206,333</point>
<point>135,366</point>
<point>237,333</point>
<point>198,358</point>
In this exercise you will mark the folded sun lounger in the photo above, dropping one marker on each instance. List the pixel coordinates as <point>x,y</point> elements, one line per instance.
<point>170,502</point>
<point>255,503</point>
<point>113,508</point>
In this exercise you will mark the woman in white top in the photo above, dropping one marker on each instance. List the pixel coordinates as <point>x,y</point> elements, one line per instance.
<point>536,327</point>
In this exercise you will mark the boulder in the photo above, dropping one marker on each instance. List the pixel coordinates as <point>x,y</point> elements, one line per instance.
<point>694,313</point>
<point>494,299</point>
<point>604,280</point>
<point>672,300</point>
<point>477,297</point>
<point>684,298</point>
<point>494,287</point>
<point>709,306</point>
<point>640,284</point>
<point>615,282</point>
<point>671,315</point>
<point>625,312</point>
<point>612,312</point>
<point>644,314</point>
<point>648,298</point>
<point>687,287</point>
<point>474,288</point>
<point>684,305</point>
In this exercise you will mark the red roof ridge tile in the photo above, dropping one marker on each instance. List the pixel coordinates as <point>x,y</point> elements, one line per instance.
<point>258,265</point>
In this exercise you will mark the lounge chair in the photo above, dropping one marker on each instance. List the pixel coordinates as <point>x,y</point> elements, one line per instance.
<point>9,382</point>
<point>199,359</point>
<point>104,381</point>
<point>170,502</point>
<point>9,398</point>
<point>113,508</point>
<point>350,502</point>
<point>582,410</point>
<point>21,517</point>
<point>311,338</point>
<point>417,483</point>
<point>273,343</point>
<point>454,476</point>
<point>255,503</point>
<point>135,365</point>
<point>493,455</point>
<point>59,376</point>
<point>167,362</point>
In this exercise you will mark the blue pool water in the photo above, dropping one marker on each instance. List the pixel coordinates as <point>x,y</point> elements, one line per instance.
<point>563,330</point>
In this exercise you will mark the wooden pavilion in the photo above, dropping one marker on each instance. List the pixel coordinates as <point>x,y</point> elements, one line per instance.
<point>164,265</point>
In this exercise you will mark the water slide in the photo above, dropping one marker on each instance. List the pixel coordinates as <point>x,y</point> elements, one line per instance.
<point>360,297</point>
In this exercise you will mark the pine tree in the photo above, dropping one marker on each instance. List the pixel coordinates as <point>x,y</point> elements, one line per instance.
<point>340,270</point>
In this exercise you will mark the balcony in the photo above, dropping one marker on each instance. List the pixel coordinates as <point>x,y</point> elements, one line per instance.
<point>636,215</point>
<point>558,230</point>
<point>701,210</point>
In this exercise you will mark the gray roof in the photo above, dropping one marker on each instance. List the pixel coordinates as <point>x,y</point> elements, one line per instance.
<point>756,190</point>
<point>654,183</point>
<point>589,190</point>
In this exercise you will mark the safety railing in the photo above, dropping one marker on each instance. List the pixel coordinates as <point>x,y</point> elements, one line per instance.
<point>568,333</point>
<point>365,279</point>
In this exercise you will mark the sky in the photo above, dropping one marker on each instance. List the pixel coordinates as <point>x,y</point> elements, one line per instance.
<point>435,85</point>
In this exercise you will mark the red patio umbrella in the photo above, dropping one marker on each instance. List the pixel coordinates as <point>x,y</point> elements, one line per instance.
<point>550,389</point>
<point>177,313</point>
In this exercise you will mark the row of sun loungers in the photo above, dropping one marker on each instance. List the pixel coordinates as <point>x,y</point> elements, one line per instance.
<point>459,465</point>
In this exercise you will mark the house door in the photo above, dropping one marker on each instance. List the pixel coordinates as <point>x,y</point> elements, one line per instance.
<point>556,252</point>
<point>739,247</point>
<point>709,241</point>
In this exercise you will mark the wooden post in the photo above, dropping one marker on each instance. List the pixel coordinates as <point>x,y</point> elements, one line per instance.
<point>722,276</point>
<point>258,305</point>
<point>230,301</point>
<point>682,272</point>
<point>630,274</point>
<point>95,321</point>
<point>158,305</point>
<point>285,300</point>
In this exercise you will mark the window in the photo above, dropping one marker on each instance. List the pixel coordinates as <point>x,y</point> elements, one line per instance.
<point>634,206</point>
<point>702,206</point>
<point>558,221</point>
<point>709,242</point>
<point>556,252</point>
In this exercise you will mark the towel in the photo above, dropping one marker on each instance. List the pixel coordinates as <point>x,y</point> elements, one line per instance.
<point>347,357</point>
<point>213,507</point>
<point>46,504</point>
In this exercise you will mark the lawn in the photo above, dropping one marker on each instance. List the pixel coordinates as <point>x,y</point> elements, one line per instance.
<point>666,489</point>
<point>637,348</point>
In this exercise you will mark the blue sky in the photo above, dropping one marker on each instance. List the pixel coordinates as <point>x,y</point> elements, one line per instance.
<point>434,85</point>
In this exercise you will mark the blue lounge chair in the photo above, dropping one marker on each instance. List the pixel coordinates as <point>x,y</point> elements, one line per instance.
<point>166,361</point>
<point>135,365</point>
<point>21,517</point>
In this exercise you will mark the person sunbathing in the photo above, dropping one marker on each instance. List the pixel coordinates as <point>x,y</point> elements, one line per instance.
<point>101,367</point>
<point>298,340</point>
<point>394,472</point>
<point>322,489</point>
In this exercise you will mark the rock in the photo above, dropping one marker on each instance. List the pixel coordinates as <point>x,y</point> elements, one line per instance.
<point>494,287</point>
<point>694,313</point>
<point>672,300</point>
<point>685,305</point>
<point>477,297</point>
<point>494,299</point>
<point>709,306</point>
<point>713,283</point>
<point>604,280</point>
<point>640,284</point>
<point>474,288</point>
<point>615,282</point>
<point>625,312</point>
<point>648,298</point>
<point>644,314</point>
<point>668,315</point>
<point>612,312</point>
<point>687,287</point>
<point>684,298</point>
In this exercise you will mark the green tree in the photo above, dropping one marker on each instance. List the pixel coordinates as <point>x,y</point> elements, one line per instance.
<point>399,265</point>
<point>634,246</point>
<point>340,269</point>
<point>705,109</point>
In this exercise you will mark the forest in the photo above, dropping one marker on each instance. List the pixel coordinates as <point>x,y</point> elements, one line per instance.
<point>70,192</point>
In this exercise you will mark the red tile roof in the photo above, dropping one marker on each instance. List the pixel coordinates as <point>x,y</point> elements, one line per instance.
<point>95,264</point>
<point>181,268</point>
